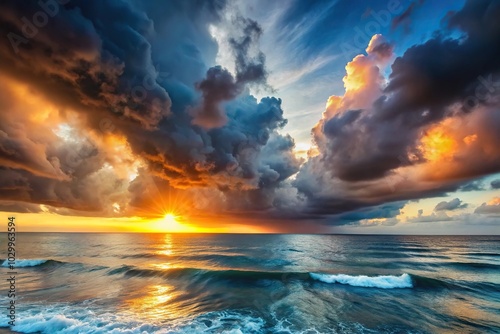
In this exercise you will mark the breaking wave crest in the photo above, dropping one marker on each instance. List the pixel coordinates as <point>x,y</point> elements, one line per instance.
<point>27,263</point>
<point>382,282</point>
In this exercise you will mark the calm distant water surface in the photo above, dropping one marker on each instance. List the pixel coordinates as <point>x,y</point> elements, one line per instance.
<point>166,283</point>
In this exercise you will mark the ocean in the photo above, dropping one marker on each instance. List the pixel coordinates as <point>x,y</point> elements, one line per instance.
<point>239,283</point>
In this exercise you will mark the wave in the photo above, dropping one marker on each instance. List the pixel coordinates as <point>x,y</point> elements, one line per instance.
<point>404,249</point>
<point>473,265</point>
<point>59,318</point>
<point>89,318</point>
<point>175,273</point>
<point>62,318</point>
<point>382,282</point>
<point>467,266</point>
<point>142,256</point>
<point>479,254</point>
<point>255,277</point>
<point>406,281</point>
<point>29,263</point>
<point>432,283</point>
<point>214,257</point>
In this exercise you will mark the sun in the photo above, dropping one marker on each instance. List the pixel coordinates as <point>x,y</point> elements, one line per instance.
<point>171,223</point>
<point>170,219</point>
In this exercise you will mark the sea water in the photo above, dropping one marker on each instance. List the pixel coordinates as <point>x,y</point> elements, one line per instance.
<point>237,283</point>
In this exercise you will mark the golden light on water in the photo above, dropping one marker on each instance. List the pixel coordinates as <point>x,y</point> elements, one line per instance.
<point>155,303</point>
<point>162,266</point>
<point>166,248</point>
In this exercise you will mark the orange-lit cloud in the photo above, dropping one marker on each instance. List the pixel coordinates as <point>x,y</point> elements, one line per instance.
<point>460,147</point>
<point>401,137</point>
<point>494,201</point>
<point>491,208</point>
<point>437,146</point>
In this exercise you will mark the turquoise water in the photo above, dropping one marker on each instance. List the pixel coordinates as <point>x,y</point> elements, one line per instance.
<point>167,283</point>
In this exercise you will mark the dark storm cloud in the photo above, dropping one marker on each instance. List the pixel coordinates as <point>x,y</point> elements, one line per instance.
<point>92,193</point>
<point>219,85</point>
<point>248,69</point>
<point>229,157</point>
<point>495,184</point>
<point>99,60</point>
<point>13,185</point>
<point>136,76</point>
<point>454,204</point>
<point>440,71</point>
<point>277,163</point>
<point>81,180</point>
<point>430,77</point>
<point>9,206</point>
<point>472,186</point>
<point>387,210</point>
<point>361,149</point>
<point>355,196</point>
<point>423,83</point>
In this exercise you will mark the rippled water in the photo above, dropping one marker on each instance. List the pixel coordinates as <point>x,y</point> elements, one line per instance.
<point>164,283</point>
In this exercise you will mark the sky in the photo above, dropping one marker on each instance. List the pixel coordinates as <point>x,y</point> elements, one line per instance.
<point>289,116</point>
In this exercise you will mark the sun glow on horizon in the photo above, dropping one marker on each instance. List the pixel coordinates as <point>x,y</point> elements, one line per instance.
<point>171,223</point>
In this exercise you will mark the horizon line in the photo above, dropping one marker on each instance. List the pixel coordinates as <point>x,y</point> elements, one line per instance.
<point>250,233</point>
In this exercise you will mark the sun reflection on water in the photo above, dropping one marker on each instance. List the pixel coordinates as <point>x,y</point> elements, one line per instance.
<point>154,303</point>
<point>162,266</point>
<point>166,247</point>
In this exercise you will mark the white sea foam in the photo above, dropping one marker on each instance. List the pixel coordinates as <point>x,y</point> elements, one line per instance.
<point>382,282</point>
<point>25,263</point>
<point>62,318</point>
<point>86,317</point>
<point>227,322</point>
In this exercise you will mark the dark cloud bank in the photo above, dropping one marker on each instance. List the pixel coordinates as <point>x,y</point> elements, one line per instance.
<point>143,74</point>
<point>364,150</point>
